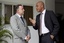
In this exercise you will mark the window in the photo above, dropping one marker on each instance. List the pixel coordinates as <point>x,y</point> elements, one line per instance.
<point>28,13</point>
<point>10,10</point>
<point>8,13</point>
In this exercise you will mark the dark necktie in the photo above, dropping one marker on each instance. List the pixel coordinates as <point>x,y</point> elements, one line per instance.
<point>22,20</point>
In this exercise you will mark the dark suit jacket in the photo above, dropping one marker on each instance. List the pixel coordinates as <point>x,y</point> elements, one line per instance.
<point>50,22</point>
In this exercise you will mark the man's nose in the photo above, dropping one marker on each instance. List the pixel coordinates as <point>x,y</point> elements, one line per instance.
<point>24,9</point>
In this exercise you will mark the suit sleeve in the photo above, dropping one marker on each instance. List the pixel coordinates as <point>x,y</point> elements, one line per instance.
<point>28,30</point>
<point>29,33</point>
<point>36,27</point>
<point>55,23</point>
<point>15,28</point>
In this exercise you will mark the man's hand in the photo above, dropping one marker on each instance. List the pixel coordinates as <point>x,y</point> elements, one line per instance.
<point>51,36</point>
<point>27,38</point>
<point>32,21</point>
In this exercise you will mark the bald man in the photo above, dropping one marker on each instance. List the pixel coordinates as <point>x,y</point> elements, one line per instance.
<point>46,23</point>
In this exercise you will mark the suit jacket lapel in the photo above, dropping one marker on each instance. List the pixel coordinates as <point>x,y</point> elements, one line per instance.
<point>39,19</point>
<point>24,22</point>
<point>46,18</point>
<point>20,20</point>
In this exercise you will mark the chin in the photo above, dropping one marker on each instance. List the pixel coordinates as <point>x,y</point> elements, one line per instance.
<point>38,11</point>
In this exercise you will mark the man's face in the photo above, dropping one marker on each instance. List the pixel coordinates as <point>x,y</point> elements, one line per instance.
<point>21,10</point>
<point>39,7</point>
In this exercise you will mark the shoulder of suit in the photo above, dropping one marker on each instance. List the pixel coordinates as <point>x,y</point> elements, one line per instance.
<point>49,11</point>
<point>37,15</point>
<point>14,16</point>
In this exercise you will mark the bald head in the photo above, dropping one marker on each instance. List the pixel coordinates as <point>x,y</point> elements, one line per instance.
<point>40,6</point>
<point>40,2</point>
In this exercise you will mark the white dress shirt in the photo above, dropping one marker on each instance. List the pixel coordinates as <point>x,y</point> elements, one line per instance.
<point>43,28</point>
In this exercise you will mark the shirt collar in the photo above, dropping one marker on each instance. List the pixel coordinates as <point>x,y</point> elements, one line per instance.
<point>19,15</point>
<point>44,11</point>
